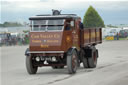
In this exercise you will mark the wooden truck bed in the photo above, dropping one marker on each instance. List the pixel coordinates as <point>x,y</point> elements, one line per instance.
<point>91,36</point>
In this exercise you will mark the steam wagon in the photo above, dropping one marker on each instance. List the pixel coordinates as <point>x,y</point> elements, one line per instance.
<point>58,40</point>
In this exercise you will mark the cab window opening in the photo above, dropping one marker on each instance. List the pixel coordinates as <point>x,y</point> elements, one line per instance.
<point>68,26</point>
<point>49,25</point>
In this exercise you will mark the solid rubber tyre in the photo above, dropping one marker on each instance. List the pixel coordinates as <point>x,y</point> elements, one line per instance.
<point>92,61</point>
<point>84,59</point>
<point>72,62</point>
<point>31,69</point>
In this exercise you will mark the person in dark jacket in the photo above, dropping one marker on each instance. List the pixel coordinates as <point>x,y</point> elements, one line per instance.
<point>80,24</point>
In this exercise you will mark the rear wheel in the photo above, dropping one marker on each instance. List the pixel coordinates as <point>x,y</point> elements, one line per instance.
<point>84,58</point>
<point>31,69</point>
<point>72,62</point>
<point>92,61</point>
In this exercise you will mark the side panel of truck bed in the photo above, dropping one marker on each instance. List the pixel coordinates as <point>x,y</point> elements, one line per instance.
<point>91,36</point>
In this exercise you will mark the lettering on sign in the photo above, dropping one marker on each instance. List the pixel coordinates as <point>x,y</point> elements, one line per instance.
<point>52,41</point>
<point>45,38</point>
<point>35,36</point>
<point>36,41</point>
<point>44,46</point>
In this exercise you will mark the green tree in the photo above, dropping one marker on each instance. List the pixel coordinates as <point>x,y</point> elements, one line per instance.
<point>92,19</point>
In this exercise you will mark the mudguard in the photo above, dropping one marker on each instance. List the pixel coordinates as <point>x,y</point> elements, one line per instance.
<point>69,52</point>
<point>26,52</point>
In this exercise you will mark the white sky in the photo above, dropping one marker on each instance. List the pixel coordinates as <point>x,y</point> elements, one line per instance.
<point>64,0</point>
<point>0,11</point>
<point>60,4</point>
<point>69,6</point>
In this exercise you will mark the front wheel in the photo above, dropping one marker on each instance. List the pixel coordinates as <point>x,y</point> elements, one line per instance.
<point>31,69</point>
<point>72,62</point>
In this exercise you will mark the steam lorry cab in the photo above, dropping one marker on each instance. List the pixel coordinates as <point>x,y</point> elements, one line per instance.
<point>57,40</point>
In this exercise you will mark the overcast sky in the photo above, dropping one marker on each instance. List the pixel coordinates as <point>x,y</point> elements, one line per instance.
<point>112,11</point>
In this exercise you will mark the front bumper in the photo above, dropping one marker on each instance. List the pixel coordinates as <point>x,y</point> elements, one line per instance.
<point>45,52</point>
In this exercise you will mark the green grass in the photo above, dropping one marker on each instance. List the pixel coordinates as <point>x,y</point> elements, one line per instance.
<point>123,38</point>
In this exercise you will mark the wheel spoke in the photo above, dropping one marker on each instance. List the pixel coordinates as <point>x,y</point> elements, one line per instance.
<point>74,61</point>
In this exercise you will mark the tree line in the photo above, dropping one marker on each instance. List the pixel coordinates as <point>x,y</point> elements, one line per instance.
<point>11,24</point>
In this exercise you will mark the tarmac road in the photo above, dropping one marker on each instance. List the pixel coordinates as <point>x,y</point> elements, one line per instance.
<point>112,68</point>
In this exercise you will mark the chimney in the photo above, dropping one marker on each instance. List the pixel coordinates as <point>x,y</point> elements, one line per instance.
<point>56,12</point>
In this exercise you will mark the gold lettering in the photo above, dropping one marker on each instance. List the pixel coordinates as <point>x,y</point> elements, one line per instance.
<point>34,36</point>
<point>52,41</point>
<point>56,36</point>
<point>46,36</point>
<point>44,46</point>
<point>36,41</point>
<point>31,36</point>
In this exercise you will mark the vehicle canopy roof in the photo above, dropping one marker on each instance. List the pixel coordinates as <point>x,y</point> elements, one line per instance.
<point>61,16</point>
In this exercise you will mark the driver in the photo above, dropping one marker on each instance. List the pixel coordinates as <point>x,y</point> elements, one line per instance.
<point>80,24</point>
